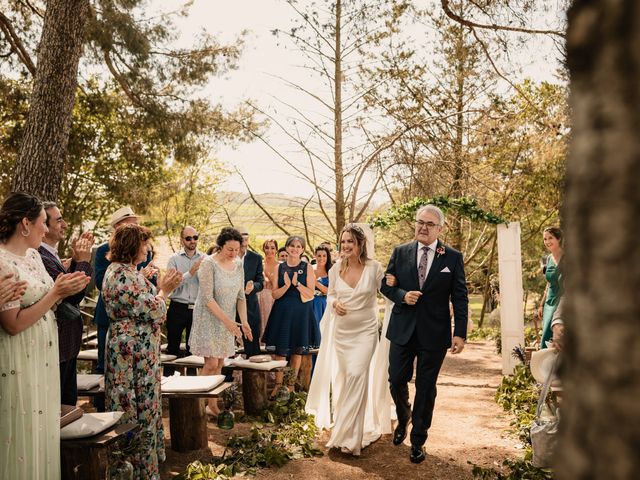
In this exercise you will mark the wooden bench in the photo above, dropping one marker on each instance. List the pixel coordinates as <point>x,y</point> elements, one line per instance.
<point>254,383</point>
<point>188,419</point>
<point>86,458</point>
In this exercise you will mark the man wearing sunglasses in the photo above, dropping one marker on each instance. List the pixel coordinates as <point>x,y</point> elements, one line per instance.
<point>180,312</point>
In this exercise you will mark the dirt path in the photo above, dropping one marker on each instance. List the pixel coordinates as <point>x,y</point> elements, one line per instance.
<point>468,426</point>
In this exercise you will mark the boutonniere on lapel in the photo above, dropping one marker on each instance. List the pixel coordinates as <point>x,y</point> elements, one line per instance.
<point>440,250</point>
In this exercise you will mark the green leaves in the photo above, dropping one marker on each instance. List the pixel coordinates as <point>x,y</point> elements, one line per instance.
<point>464,207</point>
<point>287,433</point>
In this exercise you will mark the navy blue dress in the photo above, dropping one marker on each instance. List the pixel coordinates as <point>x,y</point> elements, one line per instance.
<point>320,300</point>
<point>292,327</point>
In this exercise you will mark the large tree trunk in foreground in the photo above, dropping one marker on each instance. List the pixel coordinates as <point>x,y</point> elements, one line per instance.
<point>40,165</point>
<point>600,435</point>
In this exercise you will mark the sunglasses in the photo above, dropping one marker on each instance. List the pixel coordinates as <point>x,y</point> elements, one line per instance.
<point>189,238</point>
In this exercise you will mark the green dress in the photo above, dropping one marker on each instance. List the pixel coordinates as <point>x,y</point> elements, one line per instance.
<point>553,274</point>
<point>29,381</point>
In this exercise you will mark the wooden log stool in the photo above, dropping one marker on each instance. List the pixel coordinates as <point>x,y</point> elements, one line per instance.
<point>86,458</point>
<point>254,391</point>
<point>187,418</point>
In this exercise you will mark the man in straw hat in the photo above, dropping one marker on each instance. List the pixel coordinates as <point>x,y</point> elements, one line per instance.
<point>122,216</point>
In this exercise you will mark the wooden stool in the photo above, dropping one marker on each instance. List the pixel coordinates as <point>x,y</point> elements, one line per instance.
<point>85,458</point>
<point>187,418</point>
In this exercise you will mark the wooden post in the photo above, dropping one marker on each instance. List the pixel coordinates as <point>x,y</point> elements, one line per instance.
<point>511,306</point>
<point>254,391</point>
<point>187,424</point>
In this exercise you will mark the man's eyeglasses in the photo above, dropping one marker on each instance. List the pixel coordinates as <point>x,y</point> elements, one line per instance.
<point>420,224</point>
<point>189,238</point>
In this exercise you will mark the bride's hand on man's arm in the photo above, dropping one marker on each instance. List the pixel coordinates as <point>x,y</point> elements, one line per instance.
<point>339,307</point>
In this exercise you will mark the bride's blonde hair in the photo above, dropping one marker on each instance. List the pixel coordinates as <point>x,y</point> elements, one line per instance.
<point>360,240</point>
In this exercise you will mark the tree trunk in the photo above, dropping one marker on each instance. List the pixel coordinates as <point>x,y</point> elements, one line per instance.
<point>600,434</point>
<point>458,147</point>
<point>337,115</point>
<point>40,166</point>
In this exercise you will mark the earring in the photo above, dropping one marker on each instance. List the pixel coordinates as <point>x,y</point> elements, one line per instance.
<point>26,233</point>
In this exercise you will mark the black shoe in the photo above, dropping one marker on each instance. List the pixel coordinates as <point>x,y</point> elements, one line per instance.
<point>400,433</point>
<point>417,454</point>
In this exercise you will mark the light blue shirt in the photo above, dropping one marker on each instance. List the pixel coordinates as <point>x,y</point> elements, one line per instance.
<point>187,291</point>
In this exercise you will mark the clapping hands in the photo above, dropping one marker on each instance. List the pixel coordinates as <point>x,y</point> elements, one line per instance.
<point>151,271</point>
<point>10,289</point>
<point>81,247</point>
<point>169,281</point>
<point>69,283</point>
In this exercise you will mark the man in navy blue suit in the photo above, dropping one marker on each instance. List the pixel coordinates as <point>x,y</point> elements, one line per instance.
<point>426,276</point>
<point>254,283</point>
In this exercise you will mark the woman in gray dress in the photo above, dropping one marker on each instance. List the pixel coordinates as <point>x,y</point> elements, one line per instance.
<point>221,294</point>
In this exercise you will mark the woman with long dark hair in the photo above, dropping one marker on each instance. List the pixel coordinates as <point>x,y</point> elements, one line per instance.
<point>323,265</point>
<point>553,241</point>
<point>29,374</point>
<point>270,269</point>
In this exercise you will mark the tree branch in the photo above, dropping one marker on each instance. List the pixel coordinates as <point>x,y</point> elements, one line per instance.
<point>261,207</point>
<point>16,43</point>
<point>495,27</point>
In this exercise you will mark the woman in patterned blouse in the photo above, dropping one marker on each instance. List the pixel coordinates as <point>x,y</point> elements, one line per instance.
<point>136,312</point>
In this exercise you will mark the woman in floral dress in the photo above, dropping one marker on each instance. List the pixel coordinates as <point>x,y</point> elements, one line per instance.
<point>29,374</point>
<point>136,312</point>
<point>221,293</point>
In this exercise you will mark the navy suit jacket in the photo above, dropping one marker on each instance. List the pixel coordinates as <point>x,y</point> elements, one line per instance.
<point>253,271</point>
<point>69,331</point>
<point>429,317</point>
<point>100,267</point>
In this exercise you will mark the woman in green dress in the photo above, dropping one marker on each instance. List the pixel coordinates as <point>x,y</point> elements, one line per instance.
<point>29,374</point>
<point>552,237</point>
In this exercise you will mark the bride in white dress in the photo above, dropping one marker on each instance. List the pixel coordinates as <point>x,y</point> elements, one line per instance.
<point>349,391</point>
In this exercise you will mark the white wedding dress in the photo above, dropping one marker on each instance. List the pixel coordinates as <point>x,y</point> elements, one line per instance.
<point>349,391</point>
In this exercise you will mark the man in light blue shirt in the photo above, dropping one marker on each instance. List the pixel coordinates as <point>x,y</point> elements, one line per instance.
<point>180,312</point>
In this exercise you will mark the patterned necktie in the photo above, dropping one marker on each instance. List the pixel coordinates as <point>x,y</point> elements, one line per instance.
<point>422,267</point>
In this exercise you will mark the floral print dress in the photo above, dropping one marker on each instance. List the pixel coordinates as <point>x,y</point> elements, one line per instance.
<point>133,376</point>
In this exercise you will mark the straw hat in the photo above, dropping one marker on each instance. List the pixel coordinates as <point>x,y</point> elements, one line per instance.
<point>121,214</point>
<point>542,363</point>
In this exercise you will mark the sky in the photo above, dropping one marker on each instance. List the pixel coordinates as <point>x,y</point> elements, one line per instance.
<point>267,57</point>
